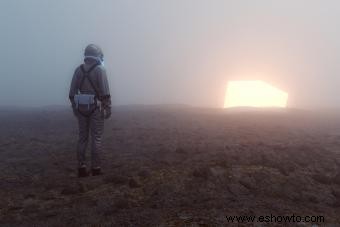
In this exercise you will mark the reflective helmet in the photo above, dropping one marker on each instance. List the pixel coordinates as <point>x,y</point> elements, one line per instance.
<point>93,51</point>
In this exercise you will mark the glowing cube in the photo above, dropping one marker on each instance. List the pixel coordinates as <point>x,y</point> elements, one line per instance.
<point>254,94</point>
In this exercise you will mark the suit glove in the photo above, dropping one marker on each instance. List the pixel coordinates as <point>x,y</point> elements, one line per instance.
<point>107,113</point>
<point>75,111</point>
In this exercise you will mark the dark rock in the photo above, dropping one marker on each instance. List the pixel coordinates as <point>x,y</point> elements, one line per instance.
<point>336,203</point>
<point>323,179</point>
<point>336,193</point>
<point>336,179</point>
<point>260,176</point>
<point>81,188</point>
<point>248,182</point>
<point>31,208</point>
<point>144,173</point>
<point>201,172</point>
<point>29,196</point>
<point>180,150</point>
<point>74,189</point>
<point>122,203</point>
<point>14,208</point>
<point>114,179</point>
<point>69,191</point>
<point>50,213</point>
<point>286,168</point>
<point>133,183</point>
<point>238,189</point>
<point>308,197</point>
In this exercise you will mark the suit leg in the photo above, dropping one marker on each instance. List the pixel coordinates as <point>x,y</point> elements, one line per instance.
<point>96,129</point>
<point>83,123</point>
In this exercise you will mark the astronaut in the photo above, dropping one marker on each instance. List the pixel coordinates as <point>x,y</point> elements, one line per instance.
<point>91,104</point>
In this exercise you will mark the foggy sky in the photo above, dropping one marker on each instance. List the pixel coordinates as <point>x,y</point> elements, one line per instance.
<point>171,51</point>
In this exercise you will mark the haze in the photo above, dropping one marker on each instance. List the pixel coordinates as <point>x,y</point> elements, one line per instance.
<point>171,51</point>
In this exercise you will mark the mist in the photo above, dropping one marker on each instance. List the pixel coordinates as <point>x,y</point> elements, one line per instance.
<point>171,52</point>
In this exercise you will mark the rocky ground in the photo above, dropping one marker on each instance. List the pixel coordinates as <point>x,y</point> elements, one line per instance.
<point>170,166</point>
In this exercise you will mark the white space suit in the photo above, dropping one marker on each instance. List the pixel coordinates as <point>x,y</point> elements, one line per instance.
<point>90,81</point>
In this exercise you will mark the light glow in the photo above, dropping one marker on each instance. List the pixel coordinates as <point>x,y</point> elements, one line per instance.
<point>254,94</point>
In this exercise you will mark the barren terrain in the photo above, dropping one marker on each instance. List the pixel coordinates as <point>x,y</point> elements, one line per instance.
<point>170,166</point>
